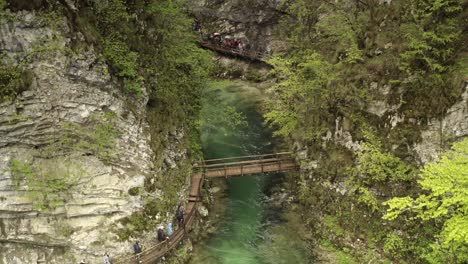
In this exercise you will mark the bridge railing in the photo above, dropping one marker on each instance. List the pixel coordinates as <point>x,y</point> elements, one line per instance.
<point>158,250</point>
<point>153,253</point>
<point>245,164</point>
<point>205,163</point>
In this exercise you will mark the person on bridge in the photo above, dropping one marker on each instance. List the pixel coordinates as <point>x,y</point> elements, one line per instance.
<point>180,215</point>
<point>137,247</point>
<point>169,229</point>
<point>161,235</point>
<point>241,45</point>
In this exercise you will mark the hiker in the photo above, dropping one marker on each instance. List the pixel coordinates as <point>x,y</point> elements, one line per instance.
<point>137,247</point>
<point>233,43</point>
<point>240,44</point>
<point>161,235</point>
<point>83,261</point>
<point>169,229</point>
<point>180,214</point>
<point>216,38</point>
<point>107,259</point>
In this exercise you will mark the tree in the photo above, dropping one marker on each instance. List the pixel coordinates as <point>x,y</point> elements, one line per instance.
<point>444,200</point>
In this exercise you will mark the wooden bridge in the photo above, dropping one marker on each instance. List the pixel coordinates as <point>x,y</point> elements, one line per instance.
<point>225,167</point>
<point>234,52</point>
<point>244,165</point>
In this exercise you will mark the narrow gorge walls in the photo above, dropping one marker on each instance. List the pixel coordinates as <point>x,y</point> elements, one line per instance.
<point>94,140</point>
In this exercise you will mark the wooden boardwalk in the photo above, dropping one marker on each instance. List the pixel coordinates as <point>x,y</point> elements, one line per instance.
<point>226,167</point>
<point>245,54</point>
<point>244,165</point>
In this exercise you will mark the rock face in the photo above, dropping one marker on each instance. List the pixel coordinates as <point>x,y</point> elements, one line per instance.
<point>453,126</point>
<point>253,21</point>
<point>68,90</point>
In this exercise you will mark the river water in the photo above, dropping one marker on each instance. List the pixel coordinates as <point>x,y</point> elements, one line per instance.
<point>247,232</point>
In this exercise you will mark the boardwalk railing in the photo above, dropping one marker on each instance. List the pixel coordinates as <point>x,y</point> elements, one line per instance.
<point>239,166</point>
<point>225,167</point>
<point>245,53</point>
<point>153,253</point>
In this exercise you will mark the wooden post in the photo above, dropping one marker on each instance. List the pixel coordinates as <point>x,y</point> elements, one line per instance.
<point>242,172</point>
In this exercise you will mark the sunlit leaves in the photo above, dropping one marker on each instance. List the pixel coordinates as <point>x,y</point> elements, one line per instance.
<point>445,184</point>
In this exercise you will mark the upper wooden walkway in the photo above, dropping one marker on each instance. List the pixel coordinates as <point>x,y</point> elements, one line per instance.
<point>239,166</point>
<point>225,167</point>
<point>244,54</point>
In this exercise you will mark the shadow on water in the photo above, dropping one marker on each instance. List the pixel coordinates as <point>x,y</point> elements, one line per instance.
<point>240,237</point>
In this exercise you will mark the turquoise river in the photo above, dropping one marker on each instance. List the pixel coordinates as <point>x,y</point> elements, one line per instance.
<point>247,230</point>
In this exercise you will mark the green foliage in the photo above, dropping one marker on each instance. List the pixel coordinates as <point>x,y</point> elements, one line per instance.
<point>337,31</point>
<point>97,137</point>
<point>394,245</point>
<point>432,35</point>
<point>337,50</point>
<point>332,224</point>
<point>445,199</point>
<point>12,82</point>
<point>134,191</point>
<point>169,183</point>
<point>48,185</point>
<point>176,67</point>
<point>254,76</point>
<point>299,98</point>
<point>63,229</point>
<point>113,24</point>
<point>377,166</point>
<point>368,199</point>
<point>134,224</point>
<point>124,62</point>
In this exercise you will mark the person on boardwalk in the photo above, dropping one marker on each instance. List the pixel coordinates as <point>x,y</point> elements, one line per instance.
<point>180,215</point>
<point>169,229</point>
<point>161,235</point>
<point>137,247</point>
<point>241,46</point>
<point>107,259</point>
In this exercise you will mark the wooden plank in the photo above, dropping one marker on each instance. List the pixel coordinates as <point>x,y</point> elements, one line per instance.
<point>251,170</point>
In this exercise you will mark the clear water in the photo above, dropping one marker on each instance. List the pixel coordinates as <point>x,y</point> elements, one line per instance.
<point>242,236</point>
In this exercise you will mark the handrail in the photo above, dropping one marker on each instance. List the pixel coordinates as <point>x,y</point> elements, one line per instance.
<point>158,250</point>
<point>154,252</point>
<point>249,156</point>
<point>228,164</point>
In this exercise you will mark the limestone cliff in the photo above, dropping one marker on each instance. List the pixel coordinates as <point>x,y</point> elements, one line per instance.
<point>72,125</point>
